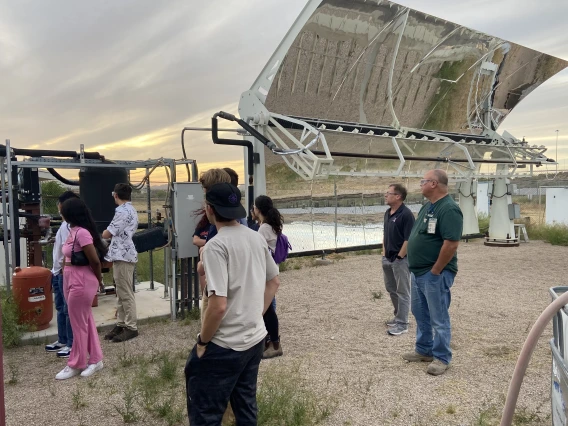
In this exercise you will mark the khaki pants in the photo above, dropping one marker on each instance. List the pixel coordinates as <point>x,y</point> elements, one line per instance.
<point>123,274</point>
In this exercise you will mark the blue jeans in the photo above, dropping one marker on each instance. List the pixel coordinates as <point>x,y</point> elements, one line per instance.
<point>219,376</point>
<point>430,301</point>
<point>64,332</point>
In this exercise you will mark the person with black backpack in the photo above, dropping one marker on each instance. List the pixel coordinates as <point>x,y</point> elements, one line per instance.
<point>270,228</point>
<point>82,277</point>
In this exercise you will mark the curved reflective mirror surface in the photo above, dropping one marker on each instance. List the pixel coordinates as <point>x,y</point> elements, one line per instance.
<point>381,63</point>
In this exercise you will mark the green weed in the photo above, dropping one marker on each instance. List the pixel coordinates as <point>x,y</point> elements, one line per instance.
<point>168,368</point>
<point>78,398</point>
<point>483,221</point>
<point>284,399</point>
<point>12,331</point>
<point>376,295</point>
<point>128,410</point>
<point>556,235</point>
<point>14,373</point>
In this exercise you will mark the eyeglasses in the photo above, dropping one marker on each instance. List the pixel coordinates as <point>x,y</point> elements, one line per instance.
<point>391,193</point>
<point>423,181</point>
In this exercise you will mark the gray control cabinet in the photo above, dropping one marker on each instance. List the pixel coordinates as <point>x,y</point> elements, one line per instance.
<point>188,198</point>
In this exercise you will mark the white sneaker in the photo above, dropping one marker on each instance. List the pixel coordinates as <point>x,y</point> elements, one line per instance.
<point>92,369</point>
<point>67,373</point>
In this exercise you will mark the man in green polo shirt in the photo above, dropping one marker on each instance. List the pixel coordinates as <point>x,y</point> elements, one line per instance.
<point>433,264</point>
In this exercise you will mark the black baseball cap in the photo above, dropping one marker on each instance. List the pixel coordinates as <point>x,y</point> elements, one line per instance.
<point>226,199</point>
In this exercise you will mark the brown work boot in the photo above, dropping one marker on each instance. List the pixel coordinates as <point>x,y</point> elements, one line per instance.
<point>437,368</point>
<point>114,332</point>
<point>273,350</point>
<point>125,335</point>
<point>416,357</point>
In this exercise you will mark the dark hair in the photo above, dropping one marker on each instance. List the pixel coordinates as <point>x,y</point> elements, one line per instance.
<point>66,196</point>
<point>218,217</point>
<point>233,175</point>
<point>400,190</point>
<point>271,215</point>
<point>123,191</point>
<point>204,221</point>
<point>76,213</point>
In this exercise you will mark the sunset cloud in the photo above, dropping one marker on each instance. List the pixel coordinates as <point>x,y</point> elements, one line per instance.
<point>124,78</point>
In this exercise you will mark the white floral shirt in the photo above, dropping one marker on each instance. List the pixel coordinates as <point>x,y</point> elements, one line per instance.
<point>123,226</point>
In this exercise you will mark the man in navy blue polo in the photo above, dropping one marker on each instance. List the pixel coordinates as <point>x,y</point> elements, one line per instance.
<point>398,224</point>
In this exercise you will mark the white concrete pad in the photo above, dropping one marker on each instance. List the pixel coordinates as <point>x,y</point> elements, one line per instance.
<point>149,304</point>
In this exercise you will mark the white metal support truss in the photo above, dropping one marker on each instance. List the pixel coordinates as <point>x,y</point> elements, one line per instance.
<point>305,163</point>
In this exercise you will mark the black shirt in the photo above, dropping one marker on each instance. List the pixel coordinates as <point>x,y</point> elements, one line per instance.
<point>397,228</point>
<point>202,232</point>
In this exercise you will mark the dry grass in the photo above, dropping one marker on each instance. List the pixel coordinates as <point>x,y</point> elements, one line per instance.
<point>336,344</point>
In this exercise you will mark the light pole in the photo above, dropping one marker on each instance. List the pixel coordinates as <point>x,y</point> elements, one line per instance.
<point>556,150</point>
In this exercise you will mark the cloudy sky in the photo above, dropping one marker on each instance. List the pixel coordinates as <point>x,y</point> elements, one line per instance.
<point>125,77</point>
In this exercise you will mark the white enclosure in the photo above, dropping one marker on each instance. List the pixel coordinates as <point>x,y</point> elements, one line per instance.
<point>556,205</point>
<point>188,199</point>
<point>483,198</point>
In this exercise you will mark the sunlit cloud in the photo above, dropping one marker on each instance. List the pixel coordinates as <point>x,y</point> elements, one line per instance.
<point>125,80</point>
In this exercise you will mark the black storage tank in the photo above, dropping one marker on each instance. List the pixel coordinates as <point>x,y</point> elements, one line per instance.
<point>95,186</point>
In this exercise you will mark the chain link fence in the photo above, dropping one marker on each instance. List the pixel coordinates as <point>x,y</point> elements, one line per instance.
<point>344,211</point>
<point>531,192</point>
<point>338,212</point>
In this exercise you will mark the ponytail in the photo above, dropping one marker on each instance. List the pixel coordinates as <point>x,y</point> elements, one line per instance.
<point>275,220</point>
<point>271,214</point>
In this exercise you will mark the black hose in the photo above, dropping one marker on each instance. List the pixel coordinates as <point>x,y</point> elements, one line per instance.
<point>195,171</point>
<point>61,179</point>
<point>419,158</point>
<point>51,153</point>
<point>250,156</point>
<point>185,155</point>
<point>263,139</point>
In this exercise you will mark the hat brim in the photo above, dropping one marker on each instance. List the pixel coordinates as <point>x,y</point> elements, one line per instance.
<point>237,212</point>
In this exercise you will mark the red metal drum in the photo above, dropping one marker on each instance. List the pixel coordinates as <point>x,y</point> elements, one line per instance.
<point>31,288</point>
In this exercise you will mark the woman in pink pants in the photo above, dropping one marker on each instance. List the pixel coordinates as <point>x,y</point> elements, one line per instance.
<point>80,286</point>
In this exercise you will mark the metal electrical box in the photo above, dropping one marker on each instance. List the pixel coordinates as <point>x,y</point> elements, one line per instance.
<point>188,199</point>
<point>556,206</point>
<point>514,211</point>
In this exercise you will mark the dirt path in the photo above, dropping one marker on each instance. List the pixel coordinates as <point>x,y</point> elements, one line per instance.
<point>332,326</point>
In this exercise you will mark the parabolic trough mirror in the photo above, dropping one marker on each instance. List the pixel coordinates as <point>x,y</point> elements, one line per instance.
<point>388,92</point>
<point>351,57</point>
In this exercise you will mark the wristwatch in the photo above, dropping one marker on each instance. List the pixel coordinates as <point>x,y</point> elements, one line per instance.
<point>398,257</point>
<point>201,342</point>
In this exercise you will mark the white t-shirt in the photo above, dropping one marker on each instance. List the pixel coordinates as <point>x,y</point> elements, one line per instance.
<point>269,235</point>
<point>60,238</point>
<point>237,266</point>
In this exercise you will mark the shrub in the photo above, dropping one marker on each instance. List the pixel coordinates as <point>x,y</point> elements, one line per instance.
<point>12,331</point>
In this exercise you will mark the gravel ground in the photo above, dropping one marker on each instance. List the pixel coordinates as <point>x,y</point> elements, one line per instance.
<point>332,325</point>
